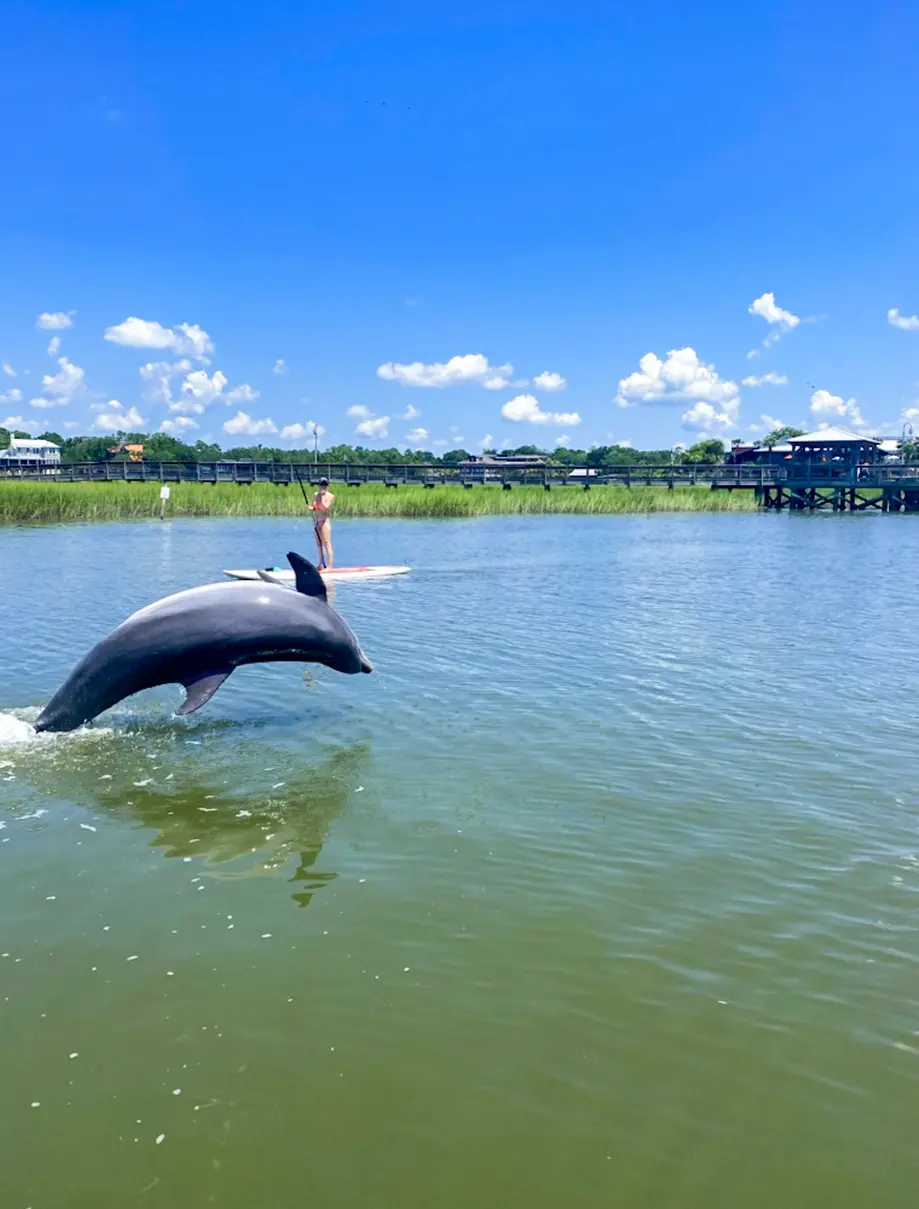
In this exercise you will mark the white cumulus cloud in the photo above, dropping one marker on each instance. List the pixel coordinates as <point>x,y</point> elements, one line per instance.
<point>157,377</point>
<point>185,339</point>
<point>824,404</point>
<point>61,388</point>
<point>411,413</point>
<point>767,424</point>
<point>114,417</point>
<point>8,369</point>
<point>526,409</point>
<point>54,321</point>
<point>780,321</point>
<point>471,368</point>
<point>359,410</point>
<point>178,424</point>
<point>11,396</point>
<point>376,427</point>
<point>199,391</point>
<point>244,393</point>
<point>15,422</point>
<point>279,367</point>
<point>244,425</point>
<point>563,440</point>
<point>908,323</point>
<point>54,346</point>
<point>770,379</point>
<point>766,307</point>
<point>487,442</point>
<point>296,432</point>
<point>549,381</point>
<point>417,436</point>
<point>708,420</point>
<point>682,378</point>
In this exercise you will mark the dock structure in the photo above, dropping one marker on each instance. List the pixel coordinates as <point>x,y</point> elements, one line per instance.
<point>879,493</point>
<point>841,471</point>
<point>831,470</point>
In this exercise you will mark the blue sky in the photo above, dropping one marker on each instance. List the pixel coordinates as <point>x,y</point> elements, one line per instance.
<point>483,199</point>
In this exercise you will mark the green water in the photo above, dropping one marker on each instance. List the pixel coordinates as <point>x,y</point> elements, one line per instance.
<point>601,891</point>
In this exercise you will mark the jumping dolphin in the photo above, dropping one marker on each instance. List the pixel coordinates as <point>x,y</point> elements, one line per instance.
<point>196,638</point>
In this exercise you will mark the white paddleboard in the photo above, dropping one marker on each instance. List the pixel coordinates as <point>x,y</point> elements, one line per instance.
<point>285,575</point>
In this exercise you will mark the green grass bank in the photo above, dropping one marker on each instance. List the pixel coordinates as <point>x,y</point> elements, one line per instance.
<point>25,502</point>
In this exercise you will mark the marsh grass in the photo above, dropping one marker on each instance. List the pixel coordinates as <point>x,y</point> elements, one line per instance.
<point>25,502</point>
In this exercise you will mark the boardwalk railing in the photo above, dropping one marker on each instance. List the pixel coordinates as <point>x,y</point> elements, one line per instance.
<point>285,474</point>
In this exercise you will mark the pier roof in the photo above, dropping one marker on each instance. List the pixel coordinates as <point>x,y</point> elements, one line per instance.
<point>833,436</point>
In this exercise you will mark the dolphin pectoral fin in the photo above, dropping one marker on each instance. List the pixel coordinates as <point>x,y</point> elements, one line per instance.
<point>309,581</point>
<point>271,579</point>
<point>200,689</point>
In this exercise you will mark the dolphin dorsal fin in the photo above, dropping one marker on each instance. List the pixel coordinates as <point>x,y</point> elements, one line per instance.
<point>309,581</point>
<point>200,688</point>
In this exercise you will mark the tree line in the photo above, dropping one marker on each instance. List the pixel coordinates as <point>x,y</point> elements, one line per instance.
<point>162,447</point>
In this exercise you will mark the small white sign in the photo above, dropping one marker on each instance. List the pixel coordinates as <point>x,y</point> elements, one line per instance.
<point>164,492</point>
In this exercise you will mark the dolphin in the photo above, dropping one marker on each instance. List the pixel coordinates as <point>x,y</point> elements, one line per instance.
<point>196,638</point>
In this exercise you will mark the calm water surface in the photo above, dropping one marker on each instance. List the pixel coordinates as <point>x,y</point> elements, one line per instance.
<point>602,891</point>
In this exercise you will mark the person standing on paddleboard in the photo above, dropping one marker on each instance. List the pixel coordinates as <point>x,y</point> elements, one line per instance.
<point>323,501</point>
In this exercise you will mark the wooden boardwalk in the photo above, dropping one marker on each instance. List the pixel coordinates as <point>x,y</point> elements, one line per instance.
<point>804,487</point>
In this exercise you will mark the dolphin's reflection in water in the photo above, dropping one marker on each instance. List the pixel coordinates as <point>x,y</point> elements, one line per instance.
<point>217,814</point>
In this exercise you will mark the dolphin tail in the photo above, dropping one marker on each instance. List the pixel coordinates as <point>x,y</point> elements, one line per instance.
<point>200,688</point>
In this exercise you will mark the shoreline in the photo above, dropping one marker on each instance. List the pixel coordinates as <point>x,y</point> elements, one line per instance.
<point>37,503</point>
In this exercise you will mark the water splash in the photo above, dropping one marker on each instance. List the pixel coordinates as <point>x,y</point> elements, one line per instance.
<point>17,730</point>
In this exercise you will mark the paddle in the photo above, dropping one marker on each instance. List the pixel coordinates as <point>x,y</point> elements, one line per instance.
<point>302,488</point>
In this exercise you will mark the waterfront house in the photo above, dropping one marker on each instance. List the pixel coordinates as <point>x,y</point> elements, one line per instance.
<point>126,453</point>
<point>30,453</point>
<point>492,466</point>
<point>759,455</point>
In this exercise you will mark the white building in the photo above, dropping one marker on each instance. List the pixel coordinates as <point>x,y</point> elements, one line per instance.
<point>31,451</point>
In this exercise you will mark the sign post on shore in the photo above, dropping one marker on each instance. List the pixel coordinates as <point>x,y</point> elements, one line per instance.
<point>164,496</point>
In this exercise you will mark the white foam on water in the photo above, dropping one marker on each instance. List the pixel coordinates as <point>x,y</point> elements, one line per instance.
<point>17,730</point>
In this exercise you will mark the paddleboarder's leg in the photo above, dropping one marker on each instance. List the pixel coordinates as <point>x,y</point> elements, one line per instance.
<point>323,533</point>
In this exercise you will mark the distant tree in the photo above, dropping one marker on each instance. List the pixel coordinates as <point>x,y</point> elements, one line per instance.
<point>85,449</point>
<point>204,452</point>
<point>6,435</point>
<point>778,435</point>
<point>54,437</point>
<point>709,450</point>
<point>163,447</point>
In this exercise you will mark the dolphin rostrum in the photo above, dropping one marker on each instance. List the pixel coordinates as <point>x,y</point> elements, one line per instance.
<point>196,638</point>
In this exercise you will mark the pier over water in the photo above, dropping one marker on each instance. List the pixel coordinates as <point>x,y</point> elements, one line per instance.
<point>830,470</point>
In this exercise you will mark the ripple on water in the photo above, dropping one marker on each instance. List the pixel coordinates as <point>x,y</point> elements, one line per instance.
<point>600,890</point>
